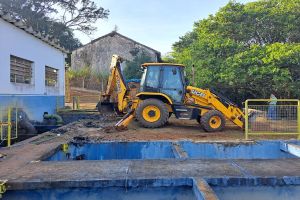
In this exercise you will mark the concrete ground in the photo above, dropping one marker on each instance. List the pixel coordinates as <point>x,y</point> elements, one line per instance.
<point>23,168</point>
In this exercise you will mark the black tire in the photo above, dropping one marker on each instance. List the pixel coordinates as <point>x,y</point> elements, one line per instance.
<point>164,113</point>
<point>208,118</point>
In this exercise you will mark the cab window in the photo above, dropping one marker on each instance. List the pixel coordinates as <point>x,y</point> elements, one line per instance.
<point>172,84</point>
<point>152,79</point>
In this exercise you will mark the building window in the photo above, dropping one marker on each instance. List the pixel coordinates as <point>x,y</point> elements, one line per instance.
<point>51,77</point>
<point>20,70</point>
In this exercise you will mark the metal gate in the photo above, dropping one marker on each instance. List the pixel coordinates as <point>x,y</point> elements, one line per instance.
<point>8,124</point>
<point>280,117</point>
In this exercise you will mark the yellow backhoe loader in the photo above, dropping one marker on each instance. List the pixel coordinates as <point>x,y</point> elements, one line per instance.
<point>164,91</point>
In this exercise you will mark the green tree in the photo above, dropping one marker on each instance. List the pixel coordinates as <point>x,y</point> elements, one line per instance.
<point>102,77</point>
<point>168,58</point>
<point>133,68</point>
<point>82,73</point>
<point>246,50</point>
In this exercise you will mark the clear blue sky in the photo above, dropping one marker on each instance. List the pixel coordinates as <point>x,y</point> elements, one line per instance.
<point>155,23</point>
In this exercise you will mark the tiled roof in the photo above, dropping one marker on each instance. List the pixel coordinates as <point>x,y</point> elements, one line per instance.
<point>113,33</point>
<point>19,24</point>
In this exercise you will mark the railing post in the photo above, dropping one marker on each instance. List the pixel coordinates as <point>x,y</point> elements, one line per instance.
<point>2,187</point>
<point>1,125</point>
<point>16,123</point>
<point>57,104</point>
<point>246,120</point>
<point>77,102</point>
<point>9,127</point>
<point>74,102</point>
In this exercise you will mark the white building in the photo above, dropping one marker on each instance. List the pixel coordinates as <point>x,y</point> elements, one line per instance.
<point>32,67</point>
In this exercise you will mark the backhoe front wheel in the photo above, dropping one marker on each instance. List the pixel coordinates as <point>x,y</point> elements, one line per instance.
<point>152,113</point>
<point>213,121</point>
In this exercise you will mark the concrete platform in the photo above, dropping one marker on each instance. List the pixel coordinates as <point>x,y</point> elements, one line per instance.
<point>23,168</point>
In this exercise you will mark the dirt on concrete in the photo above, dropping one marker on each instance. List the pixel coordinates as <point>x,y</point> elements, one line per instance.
<point>103,130</point>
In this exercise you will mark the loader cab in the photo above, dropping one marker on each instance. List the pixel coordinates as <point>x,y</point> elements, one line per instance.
<point>164,78</point>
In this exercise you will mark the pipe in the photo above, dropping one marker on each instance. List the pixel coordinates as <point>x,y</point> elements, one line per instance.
<point>27,125</point>
<point>58,118</point>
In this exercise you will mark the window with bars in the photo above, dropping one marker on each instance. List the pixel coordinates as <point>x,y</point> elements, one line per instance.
<point>51,77</point>
<point>20,70</point>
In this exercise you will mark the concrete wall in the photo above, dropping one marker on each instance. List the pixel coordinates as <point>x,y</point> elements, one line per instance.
<point>98,53</point>
<point>14,41</point>
<point>33,105</point>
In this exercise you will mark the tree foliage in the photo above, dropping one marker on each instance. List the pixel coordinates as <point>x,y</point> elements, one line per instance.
<point>246,50</point>
<point>83,74</point>
<point>133,68</point>
<point>57,18</point>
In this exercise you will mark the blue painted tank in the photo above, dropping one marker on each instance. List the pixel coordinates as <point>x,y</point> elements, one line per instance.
<point>115,150</point>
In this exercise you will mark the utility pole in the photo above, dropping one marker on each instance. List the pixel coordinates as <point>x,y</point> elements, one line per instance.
<point>193,74</point>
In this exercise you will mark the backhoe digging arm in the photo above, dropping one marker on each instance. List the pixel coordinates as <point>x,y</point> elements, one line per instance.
<point>116,83</point>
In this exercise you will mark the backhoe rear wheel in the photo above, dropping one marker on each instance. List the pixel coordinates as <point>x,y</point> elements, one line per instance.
<point>152,113</point>
<point>213,121</point>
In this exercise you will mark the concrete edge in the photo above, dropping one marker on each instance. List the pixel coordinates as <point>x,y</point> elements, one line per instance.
<point>290,148</point>
<point>178,151</point>
<point>202,190</point>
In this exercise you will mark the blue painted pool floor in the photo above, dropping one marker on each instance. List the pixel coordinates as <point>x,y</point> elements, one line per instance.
<point>291,192</point>
<point>109,193</point>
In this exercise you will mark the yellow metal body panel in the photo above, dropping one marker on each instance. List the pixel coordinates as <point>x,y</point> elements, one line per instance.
<point>155,94</point>
<point>161,64</point>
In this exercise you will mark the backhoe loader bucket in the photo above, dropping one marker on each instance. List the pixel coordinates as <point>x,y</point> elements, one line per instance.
<point>105,107</point>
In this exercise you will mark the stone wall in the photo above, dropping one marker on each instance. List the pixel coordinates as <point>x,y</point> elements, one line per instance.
<point>98,53</point>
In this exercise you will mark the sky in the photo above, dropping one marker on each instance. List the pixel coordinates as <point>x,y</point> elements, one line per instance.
<point>155,23</point>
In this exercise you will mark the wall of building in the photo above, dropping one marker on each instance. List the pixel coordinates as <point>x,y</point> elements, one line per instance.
<point>14,41</point>
<point>33,105</point>
<point>98,54</point>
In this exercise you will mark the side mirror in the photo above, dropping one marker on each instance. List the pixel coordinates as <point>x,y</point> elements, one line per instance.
<point>187,82</point>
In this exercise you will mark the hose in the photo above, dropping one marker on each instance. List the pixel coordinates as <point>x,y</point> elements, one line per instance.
<point>58,118</point>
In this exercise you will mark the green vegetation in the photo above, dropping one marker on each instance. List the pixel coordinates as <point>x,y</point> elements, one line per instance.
<point>82,74</point>
<point>88,78</point>
<point>246,51</point>
<point>133,68</point>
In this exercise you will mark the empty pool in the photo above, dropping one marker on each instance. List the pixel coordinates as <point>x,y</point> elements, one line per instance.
<point>114,150</point>
<point>290,192</point>
<point>166,150</point>
<point>251,150</point>
<point>108,193</point>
